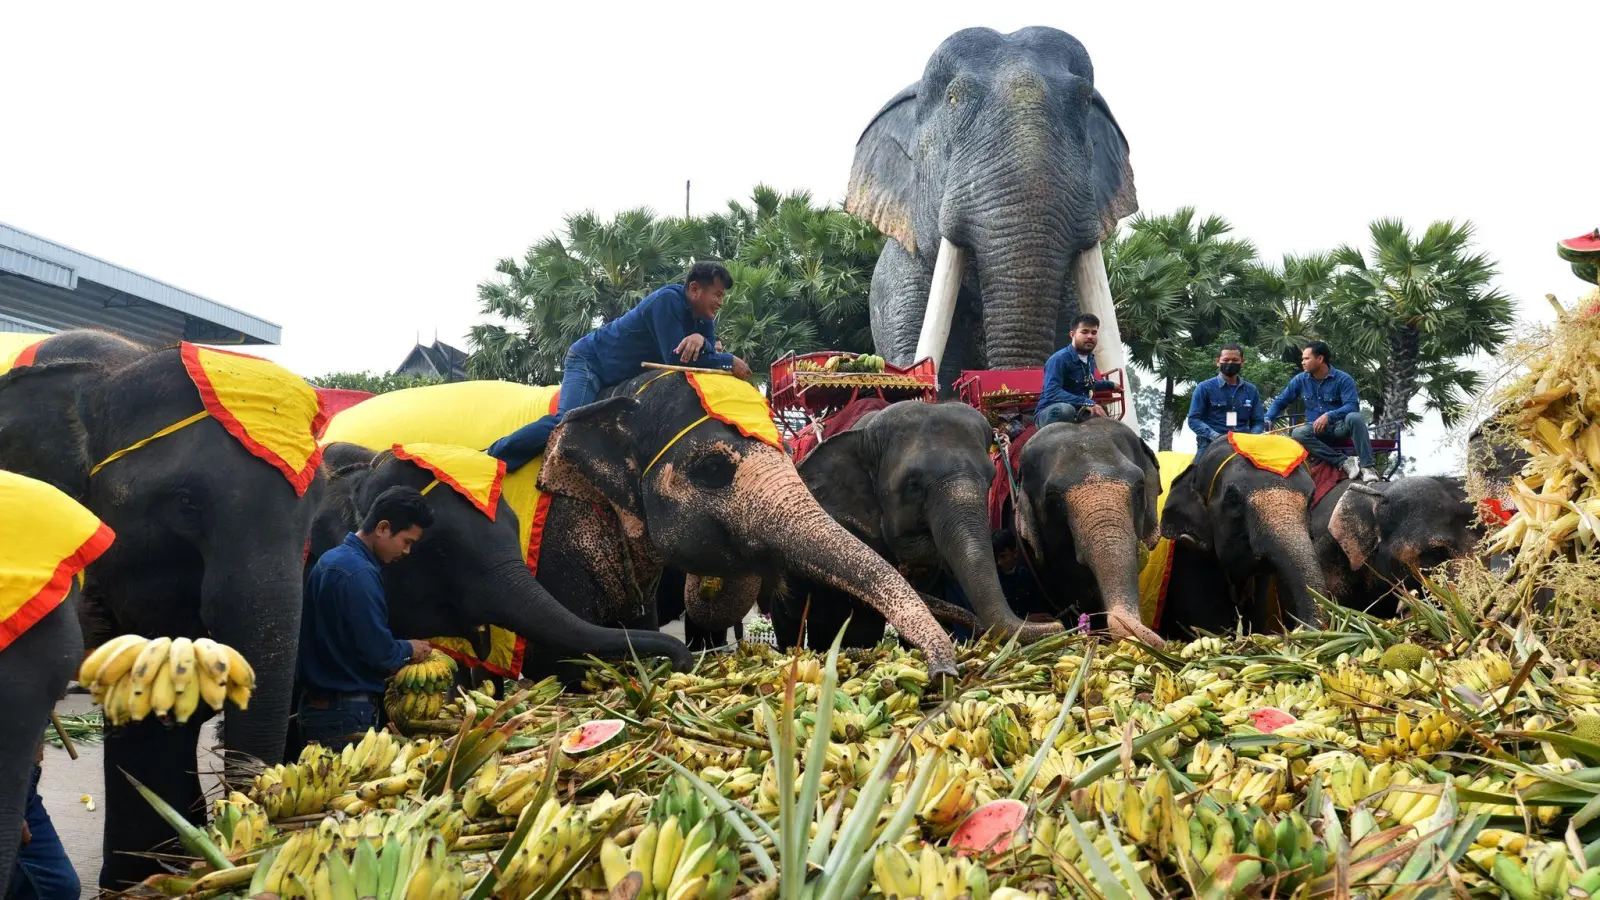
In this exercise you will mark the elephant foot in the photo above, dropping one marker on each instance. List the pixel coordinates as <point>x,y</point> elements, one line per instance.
<point>1123,624</point>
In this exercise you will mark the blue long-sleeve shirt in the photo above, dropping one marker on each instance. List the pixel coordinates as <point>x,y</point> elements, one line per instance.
<point>1214,398</point>
<point>345,643</point>
<point>1336,396</point>
<point>1069,379</point>
<point>650,332</point>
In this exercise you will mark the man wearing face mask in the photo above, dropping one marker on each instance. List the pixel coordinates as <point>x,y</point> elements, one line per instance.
<point>1225,403</point>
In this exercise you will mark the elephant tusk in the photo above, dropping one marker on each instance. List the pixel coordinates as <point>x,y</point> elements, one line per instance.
<point>948,268</point>
<point>1094,298</point>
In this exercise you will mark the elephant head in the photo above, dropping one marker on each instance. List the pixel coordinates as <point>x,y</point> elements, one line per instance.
<point>710,500</point>
<point>467,571</point>
<point>912,481</point>
<point>998,172</point>
<point>1088,497</point>
<point>1379,535</point>
<point>1251,521</point>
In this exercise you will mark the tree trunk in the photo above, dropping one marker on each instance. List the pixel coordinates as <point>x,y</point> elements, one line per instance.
<point>1165,438</point>
<point>1401,384</point>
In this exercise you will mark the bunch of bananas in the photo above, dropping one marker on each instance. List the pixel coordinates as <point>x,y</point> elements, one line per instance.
<point>1434,733</point>
<point>865,363</point>
<point>372,756</point>
<point>559,839</point>
<point>417,692</point>
<point>955,790</point>
<point>300,788</point>
<point>898,875</point>
<point>312,864</point>
<point>673,864</point>
<point>131,676</point>
<point>502,790</point>
<point>239,824</point>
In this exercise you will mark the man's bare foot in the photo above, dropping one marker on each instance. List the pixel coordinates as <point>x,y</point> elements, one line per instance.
<point>1123,625</point>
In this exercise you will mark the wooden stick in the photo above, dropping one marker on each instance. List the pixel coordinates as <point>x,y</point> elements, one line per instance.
<point>666,368</point>
<point>61,732</point>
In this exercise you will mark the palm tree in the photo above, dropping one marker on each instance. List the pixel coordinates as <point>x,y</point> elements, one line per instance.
<point>1413,310</point>
<point>762,319</point>
<point>1216,264</point>
<point>1283,301</point>
<point>1147,286</point>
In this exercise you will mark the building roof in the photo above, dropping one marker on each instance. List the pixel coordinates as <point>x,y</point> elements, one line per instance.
<point>48,287</point>
<point>441,360</point>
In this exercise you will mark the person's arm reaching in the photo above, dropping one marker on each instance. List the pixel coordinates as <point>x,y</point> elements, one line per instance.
<point>1257,423</point>
<point>1197,411</point>
<point>1288,395</point>
<point>666,324</point>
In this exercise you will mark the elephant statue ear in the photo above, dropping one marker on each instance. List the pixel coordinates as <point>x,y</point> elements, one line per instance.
<point>1111,175</point>
<point>1354,523</point>
<point>883,174</point>
<point>591,456</point>
<point>46,422</point>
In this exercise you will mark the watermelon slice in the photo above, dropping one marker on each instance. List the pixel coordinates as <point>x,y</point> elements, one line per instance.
<point>991,828</point>
<point>1583,252</point>
<point>1268,719</point>
<point>593,736</point>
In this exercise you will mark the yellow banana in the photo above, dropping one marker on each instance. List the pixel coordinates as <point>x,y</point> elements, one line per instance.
<point>95,666</point>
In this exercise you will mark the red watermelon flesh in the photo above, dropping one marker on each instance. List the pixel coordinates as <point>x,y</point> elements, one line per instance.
<point>1268,719</point>
<point>1581,248</point>
<point>990,828</point>
<point>592,736</point>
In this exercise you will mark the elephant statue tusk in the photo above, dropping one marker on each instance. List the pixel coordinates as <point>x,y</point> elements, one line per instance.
<point>1094,297</point>
<point>948,268</point>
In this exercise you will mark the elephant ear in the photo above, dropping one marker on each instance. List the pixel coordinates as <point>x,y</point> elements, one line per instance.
<point>839,473</point>
<point>1111,175</point>
<point>591,456</point>
<point>43,430</point>
<point>1150,528</point>
<point>1354,523</point>
<point>882,177</point>
<point>1184,518</point>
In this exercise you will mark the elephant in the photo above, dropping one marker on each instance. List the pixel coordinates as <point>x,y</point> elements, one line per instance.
<point>210,541</point>
<point>911,481</point>
<point>1237,529</point>
<point>467,571</point>
<point>1371,538</point>
<point>996,176</point>
<point>1088,498</point>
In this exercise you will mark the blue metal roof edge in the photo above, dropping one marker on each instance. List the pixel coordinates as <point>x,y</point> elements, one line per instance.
<point>136,285</point>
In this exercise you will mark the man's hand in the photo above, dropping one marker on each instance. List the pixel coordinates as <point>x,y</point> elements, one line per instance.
<point>1320,423</point>
<point>689,348</point>
<point>1096,410</point>
<point>741,368</point>
<point>719,345</point>
<point>27,836</point>
<point>420,650</point>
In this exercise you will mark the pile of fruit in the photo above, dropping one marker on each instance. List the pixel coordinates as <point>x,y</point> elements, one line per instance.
<point>132,677</point>
<point>865,363</point>
<point>1553,413</point>
<point>1438,755</point>
<point>420,690</point>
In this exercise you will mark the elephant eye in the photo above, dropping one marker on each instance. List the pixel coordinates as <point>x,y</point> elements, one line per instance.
<point>953,97</point>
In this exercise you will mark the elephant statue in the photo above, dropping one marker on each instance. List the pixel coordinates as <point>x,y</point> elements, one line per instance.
<point>210,540</point>
<point>1239,530</point>
<point>996,176</point>
<point>467,571</point>
<point>1088,498</point>
<point>39,659</point>
<point>911,481</point>
<point>1371,538</point>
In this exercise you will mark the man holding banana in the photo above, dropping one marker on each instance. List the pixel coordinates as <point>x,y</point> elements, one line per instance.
<point>346,648</point>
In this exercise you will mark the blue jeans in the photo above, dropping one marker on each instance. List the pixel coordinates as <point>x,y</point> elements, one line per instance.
<point>43,870</point>
<point>580,385</point>
<point>1352,427</point>
<point>344,720</point>
<point>1061,412</point>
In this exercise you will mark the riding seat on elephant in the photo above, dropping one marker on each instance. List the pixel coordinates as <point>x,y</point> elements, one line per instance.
<point>670,469</point>
<point>204,464</point>
<point>911,481</point>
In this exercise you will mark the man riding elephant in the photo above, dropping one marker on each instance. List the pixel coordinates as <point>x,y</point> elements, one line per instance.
<point>672,326</point>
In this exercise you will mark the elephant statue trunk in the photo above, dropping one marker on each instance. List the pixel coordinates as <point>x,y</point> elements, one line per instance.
<point>1100,515</point>
<point>1278,534</point>
<point>960,526</point>
<point>785,521</point>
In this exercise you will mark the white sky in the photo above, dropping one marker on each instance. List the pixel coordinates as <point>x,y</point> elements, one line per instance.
<point>352,171</point>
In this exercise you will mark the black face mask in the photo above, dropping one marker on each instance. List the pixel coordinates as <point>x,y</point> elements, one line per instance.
<point>1230,369</point>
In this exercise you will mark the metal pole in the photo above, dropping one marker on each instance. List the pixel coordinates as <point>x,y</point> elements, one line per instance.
<point>686,199</point>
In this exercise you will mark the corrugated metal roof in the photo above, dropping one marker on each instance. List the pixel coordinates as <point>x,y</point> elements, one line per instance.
<point>58,310</point>
<point>63,268</point>
<point>13,325</point>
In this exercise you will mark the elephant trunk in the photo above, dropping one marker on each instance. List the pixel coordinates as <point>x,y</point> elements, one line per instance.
<point>777,516</point>
<point>254,606</point>
<point>960,527</point>
<point>1100,514</point>
<point>1278,534</point>
<point>519,603</point>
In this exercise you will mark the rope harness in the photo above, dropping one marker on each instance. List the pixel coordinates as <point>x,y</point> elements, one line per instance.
<point>675,438</point>
<point>170,429</point>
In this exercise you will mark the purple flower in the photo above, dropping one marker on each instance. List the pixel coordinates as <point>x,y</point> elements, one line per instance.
<point>1083,623</point>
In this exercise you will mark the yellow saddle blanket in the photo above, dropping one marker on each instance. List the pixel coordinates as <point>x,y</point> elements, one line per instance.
<point>736,402</point>
<point>46,538</point>
<point>448,426</point>
<point>273,412</point>
<point>473,474</point>
<point>1157,570</point>
<point>1269,452</point>
<point>16,350</point>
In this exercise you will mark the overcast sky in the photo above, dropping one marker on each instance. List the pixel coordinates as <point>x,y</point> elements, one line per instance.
<point>352,171</point>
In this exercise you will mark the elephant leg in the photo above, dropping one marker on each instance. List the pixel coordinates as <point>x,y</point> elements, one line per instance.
<point>786,613</point>
<point>162,758</point>
<point>900,284</point>
<point>835,611</point>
